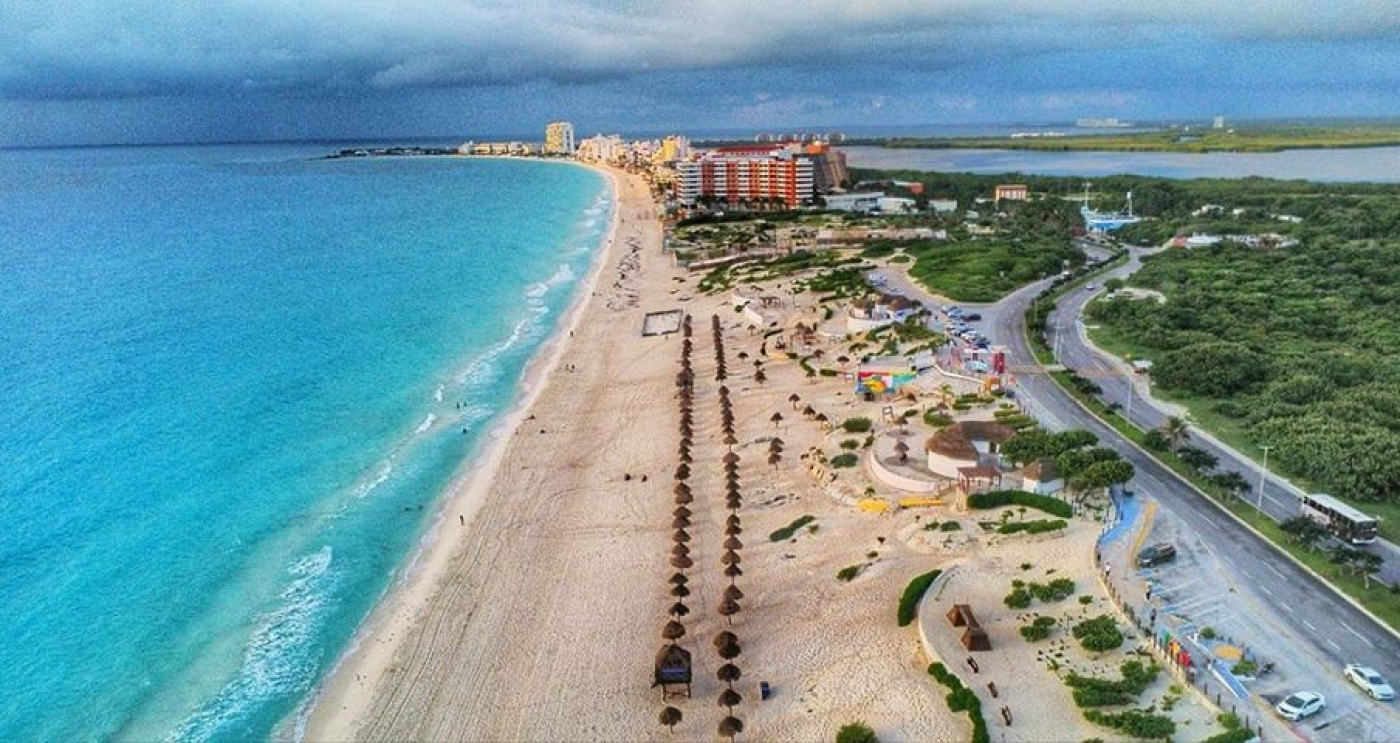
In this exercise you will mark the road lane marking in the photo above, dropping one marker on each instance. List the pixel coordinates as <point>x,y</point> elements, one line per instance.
<point>1275,570</point>
<point>1334,646</point>
<point>1287,608</point>
<point>1358,634</point>
<point>1265,589</point>
<point>1310,625</point>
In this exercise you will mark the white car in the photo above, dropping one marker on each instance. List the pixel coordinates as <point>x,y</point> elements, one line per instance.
<point>1369,681</point>
<point>1301,704</point>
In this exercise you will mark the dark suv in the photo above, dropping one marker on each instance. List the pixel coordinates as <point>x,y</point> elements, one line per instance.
<point>1155,555</point>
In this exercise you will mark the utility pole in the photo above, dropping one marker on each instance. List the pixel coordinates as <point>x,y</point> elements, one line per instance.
<point>1129,379</point>
<point>1262,474</point>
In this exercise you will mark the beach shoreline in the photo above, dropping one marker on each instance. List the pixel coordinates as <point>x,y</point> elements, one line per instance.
<point>334,710</point>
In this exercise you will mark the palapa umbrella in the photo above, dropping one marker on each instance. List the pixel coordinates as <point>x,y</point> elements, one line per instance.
<point>673,630</point>
<point>794,398</point>
<point>685,457</point>
<point>683,471</point>
<point>680,536</point>
<point>733,543</point>
<point>680,550</point>
<point>728,609</point>
<point>733,571</point>
<point>730,699</point>
<point>682,499</point>
<point>724,638</point>
<point>670,717</point>
<point>728,673</point>
<point>680,591</point>
<point>681,512</point>
<point>743,355</point>
<point>732,488</point>
<point>681,488</point>
<point>903,450</point>
<point>776,418</point>
<point>723,391</point>
<point>774,459</point>
<point>730,458</point>
<point>758,363</point>
<point>733,593</point>
<point>678,579</point>
<point>680,522</point>
<point>729,439</point>
<point>682,563</point>
<point>730,557</point>
<point>760,377</point>
<point>776,443</point>
<point>678,609</point>
<point>731,520</point>
<point>809,411</point>
<point>733,503</point>
<point>733,530</point>
<point>729,650</point>
<point>843,359</point>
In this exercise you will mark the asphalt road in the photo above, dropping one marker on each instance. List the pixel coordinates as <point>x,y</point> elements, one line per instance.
<point>1279,500</point>
<point>1346,634</point>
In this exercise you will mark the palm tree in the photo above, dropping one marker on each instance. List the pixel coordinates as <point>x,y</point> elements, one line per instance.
<point>1175,431</point>
<point>670,717</point>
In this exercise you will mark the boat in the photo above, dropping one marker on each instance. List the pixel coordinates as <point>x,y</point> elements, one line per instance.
<point>1095,221</point>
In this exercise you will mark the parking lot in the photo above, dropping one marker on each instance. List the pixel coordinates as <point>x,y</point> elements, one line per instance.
<point>1220,616</point>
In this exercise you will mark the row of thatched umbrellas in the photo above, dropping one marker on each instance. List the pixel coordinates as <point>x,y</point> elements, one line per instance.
<point>680,522</point>
<point>726,643</point>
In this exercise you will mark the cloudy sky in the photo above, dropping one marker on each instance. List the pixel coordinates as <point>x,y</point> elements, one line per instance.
<point>105,71</point>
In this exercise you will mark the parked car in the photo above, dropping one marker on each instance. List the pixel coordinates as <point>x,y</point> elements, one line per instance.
<point>1369,681</point>
<point>972,317</point>
<point>1300,704</point>
<point>1157,554</point>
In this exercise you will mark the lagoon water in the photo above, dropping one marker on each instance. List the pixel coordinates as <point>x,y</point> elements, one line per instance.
<point>234,382</point>
<point>1375,164</point>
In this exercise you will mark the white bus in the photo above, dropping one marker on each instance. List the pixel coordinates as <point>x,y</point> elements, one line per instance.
<point>1349,524</point>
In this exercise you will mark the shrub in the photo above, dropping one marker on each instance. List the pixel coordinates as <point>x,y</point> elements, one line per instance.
<point>856,732</point>
<point>1038,630</point>
<point>909,600</point>
<point>1135,723</point>
<point>849,572</point>
<point>1032,527</point>
<point>1208,633</point>
<point>1245,667</point>
<point>1098,634</point>
<point>950,526</point>
<point>1097,692</point>
<point>962,699</point>
<point>857,425</point>
<point>1086,600</point>
<point>849,444</point>
<point>936,419</point>
<point>786,532</point>
<point>844,460</point>
<point>1019,598</point>
<point>999,498</point>
<point>828,372</point>
<point>1056,590</point>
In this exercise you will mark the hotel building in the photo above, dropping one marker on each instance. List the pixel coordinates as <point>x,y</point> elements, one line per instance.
<point>559,138</point>
<point>746,172</point>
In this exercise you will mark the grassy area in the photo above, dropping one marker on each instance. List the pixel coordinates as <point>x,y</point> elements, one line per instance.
<point>1378,599</point>
<point>1271,139</point>
<point>986,270</point>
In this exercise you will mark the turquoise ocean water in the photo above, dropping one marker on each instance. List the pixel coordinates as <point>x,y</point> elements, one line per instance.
<point>234,382</point>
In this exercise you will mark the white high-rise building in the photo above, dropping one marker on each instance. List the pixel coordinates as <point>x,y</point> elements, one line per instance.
<point>559,138</point>
<point>1220,122</point>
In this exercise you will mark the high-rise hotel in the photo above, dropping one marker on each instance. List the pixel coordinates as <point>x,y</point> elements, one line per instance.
<point>743,172</point>
<point>559,138</point>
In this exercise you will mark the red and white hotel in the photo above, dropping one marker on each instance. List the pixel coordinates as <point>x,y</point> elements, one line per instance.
<point>746,172</point>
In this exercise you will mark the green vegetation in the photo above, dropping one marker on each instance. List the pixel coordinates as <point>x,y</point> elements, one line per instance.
<point>1235,731</point>
<point>786,532</point>
<point>1097,692</point>
<point>849,444</point>
<point>999,498</point>
<point>849,572</point>
<point>844,460</point>
<point>1260,139</point>
<point>950,526</point>
<point>1038,526</point>
<point>1038,629</point>
<point>1098,634</point>
<point>909,600</point>
<point>856,732</point>
<point>936,419</point>
<point>1135,723</point>
<point>1294,348</point>
<point>962,699</point>
<point>856,425</point>
<point>1022,592</point>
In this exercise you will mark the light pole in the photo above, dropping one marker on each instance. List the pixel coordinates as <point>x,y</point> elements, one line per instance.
<point>1262,474</point>
<point>1128,378</point>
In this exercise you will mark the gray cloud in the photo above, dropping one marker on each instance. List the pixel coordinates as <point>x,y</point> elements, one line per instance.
<point>123,48</point>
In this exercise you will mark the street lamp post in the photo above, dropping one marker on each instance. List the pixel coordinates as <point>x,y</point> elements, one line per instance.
<point>1263,472</point>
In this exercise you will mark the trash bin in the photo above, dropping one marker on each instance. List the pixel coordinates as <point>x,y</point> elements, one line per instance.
<point>764,691</point>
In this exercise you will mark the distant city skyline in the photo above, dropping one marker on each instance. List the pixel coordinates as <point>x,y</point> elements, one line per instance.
<point>100,71</point>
